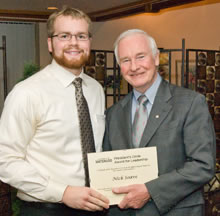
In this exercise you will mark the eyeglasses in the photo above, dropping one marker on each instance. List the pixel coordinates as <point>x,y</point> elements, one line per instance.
<point>68,36</point>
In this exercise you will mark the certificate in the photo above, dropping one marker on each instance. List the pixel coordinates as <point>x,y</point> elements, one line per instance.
<point>121,168</point>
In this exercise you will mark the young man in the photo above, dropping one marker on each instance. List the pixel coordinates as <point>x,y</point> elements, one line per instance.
<point>178,124</point>
<point>40,131</point>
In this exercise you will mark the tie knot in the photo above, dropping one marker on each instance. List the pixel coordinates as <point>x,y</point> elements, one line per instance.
<point>142,99</point>
<point>77,82</point>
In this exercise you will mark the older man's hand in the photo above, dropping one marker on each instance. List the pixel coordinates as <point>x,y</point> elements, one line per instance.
<point>136,196</point>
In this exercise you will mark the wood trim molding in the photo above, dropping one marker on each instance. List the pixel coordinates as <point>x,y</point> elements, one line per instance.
<point>144,6</point>
<point>141,6</point>
<point>120,11</point>
<point>28,16</point>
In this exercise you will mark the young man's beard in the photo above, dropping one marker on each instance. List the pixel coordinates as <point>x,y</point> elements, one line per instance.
<point>71,64</point>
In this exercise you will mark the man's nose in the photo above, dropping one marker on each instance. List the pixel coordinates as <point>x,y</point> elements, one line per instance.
<point>73,40</point>
<point>134,65</point>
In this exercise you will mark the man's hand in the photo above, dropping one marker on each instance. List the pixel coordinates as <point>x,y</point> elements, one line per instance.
<point>84,198</point>
<point>136,196</point>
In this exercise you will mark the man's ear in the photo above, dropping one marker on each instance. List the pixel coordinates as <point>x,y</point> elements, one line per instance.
<point>49,44</point>
<point>157,58</point>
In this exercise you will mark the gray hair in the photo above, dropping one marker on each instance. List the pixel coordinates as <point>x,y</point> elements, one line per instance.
<point>129,32</point>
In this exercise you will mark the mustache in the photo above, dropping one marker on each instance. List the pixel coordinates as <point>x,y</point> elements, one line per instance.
<point>73,47</point>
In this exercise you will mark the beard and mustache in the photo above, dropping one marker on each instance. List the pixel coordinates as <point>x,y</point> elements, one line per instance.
<point>71,63</point>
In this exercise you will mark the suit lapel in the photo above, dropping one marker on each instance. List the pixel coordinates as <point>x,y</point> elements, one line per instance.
<point>125,119</point>
<point>158,113</point>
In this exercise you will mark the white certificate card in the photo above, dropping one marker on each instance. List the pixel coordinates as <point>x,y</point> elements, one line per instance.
<point>121,168</point>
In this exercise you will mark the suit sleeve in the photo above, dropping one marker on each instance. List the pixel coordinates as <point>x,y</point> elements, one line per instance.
<point>106,145</point>
<point>199,167</point>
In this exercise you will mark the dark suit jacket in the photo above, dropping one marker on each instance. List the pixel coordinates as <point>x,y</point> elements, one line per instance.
<point>185,139</point>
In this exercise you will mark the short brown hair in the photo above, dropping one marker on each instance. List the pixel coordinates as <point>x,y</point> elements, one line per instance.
<point>66,11</point>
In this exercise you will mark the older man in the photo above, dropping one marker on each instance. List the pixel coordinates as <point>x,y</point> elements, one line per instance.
<point>174,119</point>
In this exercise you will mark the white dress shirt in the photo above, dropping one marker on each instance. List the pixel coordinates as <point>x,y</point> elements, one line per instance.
<point>40,150</point>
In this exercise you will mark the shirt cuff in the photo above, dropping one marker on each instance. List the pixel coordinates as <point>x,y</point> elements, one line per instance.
<point>54,191</point>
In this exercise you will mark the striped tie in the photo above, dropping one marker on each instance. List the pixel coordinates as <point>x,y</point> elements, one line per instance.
<point>140,120</point>
<point>86,133</point>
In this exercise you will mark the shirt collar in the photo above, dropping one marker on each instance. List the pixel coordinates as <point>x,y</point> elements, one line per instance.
<point>151,92</point>
<point>63,75</point>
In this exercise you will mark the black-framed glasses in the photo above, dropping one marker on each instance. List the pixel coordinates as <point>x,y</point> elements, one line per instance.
<point>68,36</point>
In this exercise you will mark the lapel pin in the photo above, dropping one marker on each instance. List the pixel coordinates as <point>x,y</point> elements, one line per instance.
<point>157,116</point>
